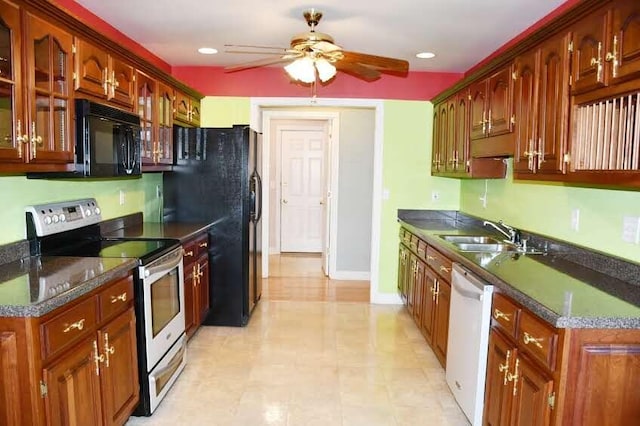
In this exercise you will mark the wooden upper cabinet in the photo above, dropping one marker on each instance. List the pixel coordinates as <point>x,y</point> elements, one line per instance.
<point>12,121</point>
<point>589,45</point>
<point>449,146</point>
<point>525,108</point>
<point>165,124</point>
<point>186,109</point>
<point>435,139</point>
<point>499,109</point>
<point>49,63</point>
<point>624,54</point>
<point>195,112</point>
<point>478,109</point>
<point>462,136</point>
<point>146,91</point>
<point>101,75</point>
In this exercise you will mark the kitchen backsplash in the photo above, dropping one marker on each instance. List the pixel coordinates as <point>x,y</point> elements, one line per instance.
<point>18,192</point>
<point>546,209</point>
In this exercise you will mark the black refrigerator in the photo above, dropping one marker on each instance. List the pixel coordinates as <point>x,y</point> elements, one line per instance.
<point>216,180</point>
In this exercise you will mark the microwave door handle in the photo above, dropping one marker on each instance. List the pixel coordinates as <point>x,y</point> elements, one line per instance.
<point>128,142</point>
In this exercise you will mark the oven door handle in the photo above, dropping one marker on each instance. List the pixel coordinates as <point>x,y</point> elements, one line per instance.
<point>167,265</point>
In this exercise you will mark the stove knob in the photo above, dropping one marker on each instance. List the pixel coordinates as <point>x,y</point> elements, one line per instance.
<point>47,220</point>
<point>63,218</point>
<point>56,219</point>
<point>96,210</point>
<point>87,212</point>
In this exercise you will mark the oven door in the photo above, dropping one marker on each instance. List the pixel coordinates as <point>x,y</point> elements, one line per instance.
<point>163,289</point>
<point>161,378</point>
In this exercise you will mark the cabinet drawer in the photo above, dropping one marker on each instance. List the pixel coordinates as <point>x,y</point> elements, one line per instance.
<point>70,326</point>
<point>538,339</point>
<point>422,249</point>
<point>439,263</point>
<point>505,314</point>
<point>194,248</point>
<point>117,298</point>
<point>202,244</point>
<point>406,238</point>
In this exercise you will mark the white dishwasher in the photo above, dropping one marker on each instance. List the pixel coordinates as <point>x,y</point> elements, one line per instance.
<point>469,320</point>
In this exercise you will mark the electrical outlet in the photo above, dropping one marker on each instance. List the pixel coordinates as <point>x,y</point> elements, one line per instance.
<point>631,229</point>
<point>575,220</point>
<point>435,195</point>
<point>122,197</point>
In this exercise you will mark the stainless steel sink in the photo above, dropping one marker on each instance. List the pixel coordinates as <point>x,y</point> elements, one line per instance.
<point>485,247</point>
<point>470,239</point>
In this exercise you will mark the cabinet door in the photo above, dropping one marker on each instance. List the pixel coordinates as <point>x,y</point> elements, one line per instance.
<point>441,320</point>
<point>498,395</point>
<point>449,148</point>
<point>73,387</point>
<point>121,87</point>
<point>625,45</point>
<point>12,123</point>
<point>419,291</point>
<point>146,89</point>
<point>500,102</point>
<point>50,79</point>
<point>589,50</point>
<point>411,282</point>
<point>428,305</point>
<point>92,69</point>
<point>119,372</point>
<point>478,109</point>
<point>165,124</point>
<point>461,146</point>
<point>181,108</point>
<point>403,272</point>
<point>203,289</point>
<point>553,104</point>
<point>195,112</point>
<point>525,104</point>
<point>530,393</point>
<point>435,143</point>
<point>190,311</point>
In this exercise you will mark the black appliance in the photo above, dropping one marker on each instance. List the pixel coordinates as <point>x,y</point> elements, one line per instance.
<point>216,180</point>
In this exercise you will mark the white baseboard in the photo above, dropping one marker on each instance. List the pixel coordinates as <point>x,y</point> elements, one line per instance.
<point>386,299</point>
<point>351,276</point>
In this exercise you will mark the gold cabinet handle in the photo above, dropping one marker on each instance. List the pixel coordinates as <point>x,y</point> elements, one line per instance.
<point>598,62</point>
<point>20,138</point>
<point>97,358</point>
<point>434,290</point>
<point>122,297</point>
<point>514,377</point>
<point>497,314</point>
<point>527,338</point>
<point>430,257</point>
<point>613,57</point>
<point>489,122</point>
<point>196,277</point>
<point>203,245</point>
<point>108,350</point>
<point>35,138</point>
<point>76,325</point>
<point>105,81</point>
<point>187,253</point>
<point>504,368</point>
<point>444,269</point>
<point>201,274</point>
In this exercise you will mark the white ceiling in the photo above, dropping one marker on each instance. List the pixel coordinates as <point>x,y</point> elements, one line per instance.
<point>460,32</point>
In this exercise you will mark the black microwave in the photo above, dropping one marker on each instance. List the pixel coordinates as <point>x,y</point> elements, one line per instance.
<point>107,141</point>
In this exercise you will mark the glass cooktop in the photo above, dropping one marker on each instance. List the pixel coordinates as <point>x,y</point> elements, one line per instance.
<point>145,250</point>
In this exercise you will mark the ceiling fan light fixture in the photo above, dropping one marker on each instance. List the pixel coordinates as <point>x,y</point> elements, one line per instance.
<point>425,55</point>
<point>326,70</point>
<point>302,69</point>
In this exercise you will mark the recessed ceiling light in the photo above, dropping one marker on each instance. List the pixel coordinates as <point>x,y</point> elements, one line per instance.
<point>425,55</point>
<point>208,50</point>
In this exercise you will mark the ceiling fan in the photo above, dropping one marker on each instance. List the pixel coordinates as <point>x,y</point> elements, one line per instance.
<point>314,55</point>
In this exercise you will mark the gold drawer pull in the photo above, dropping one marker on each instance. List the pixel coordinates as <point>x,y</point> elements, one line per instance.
<point>203,245</point>
<point>497,314</point>
<point>527,338</point>
<point>122,297</point>
<point>78,324</point>
<point>430,257</point>
<point>445,269</point>
<point>188,253</point>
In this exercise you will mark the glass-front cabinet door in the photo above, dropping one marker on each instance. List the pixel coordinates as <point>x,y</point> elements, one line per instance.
<point>50,65</point>
<point>11,120</point>
<point>165,124</point>
<point>146,88</point>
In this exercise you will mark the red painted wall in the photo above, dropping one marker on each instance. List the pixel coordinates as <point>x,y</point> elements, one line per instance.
<point>274,82</point>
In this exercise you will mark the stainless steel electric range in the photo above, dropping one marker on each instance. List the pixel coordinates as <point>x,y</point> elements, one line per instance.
<point>73,229</point>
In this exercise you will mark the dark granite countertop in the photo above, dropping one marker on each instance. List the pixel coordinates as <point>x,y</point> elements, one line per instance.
<point>171,230</point>
<point>22,282</point>
<point>564,293</point>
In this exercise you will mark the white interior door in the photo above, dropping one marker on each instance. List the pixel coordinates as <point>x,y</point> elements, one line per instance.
<point>302,190</point>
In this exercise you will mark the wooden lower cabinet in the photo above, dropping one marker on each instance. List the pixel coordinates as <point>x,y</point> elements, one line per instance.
<point>441,320</point>
<point>196,282</point>
<point>92,381</point>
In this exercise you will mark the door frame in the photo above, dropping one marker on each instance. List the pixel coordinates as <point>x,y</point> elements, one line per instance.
<point>259,123</point>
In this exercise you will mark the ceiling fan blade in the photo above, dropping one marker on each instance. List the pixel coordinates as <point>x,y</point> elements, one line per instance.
<point>251,46</point>
<point>381,63</point>
<point>261,63</point>
<point>254,52</point>
<point>360,71</point>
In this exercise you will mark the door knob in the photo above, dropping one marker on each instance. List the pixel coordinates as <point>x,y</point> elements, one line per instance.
<point>284,201</point>
<point>321,202</point>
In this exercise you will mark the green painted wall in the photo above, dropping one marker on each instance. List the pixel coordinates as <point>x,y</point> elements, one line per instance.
<point>406,175</point>
<point>545,208</point>
<point>224,111</point>
<point>18,192</point>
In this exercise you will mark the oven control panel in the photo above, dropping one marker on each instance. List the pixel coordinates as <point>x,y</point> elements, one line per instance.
<point>47,219</point>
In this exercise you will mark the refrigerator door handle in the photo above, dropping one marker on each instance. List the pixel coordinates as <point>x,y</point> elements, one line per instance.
<point>259,192</point>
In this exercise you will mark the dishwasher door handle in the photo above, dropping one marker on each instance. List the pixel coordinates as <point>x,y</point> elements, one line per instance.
<point>466,293</point>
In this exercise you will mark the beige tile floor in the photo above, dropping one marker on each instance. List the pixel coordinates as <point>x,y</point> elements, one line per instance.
<point>311,363</point>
